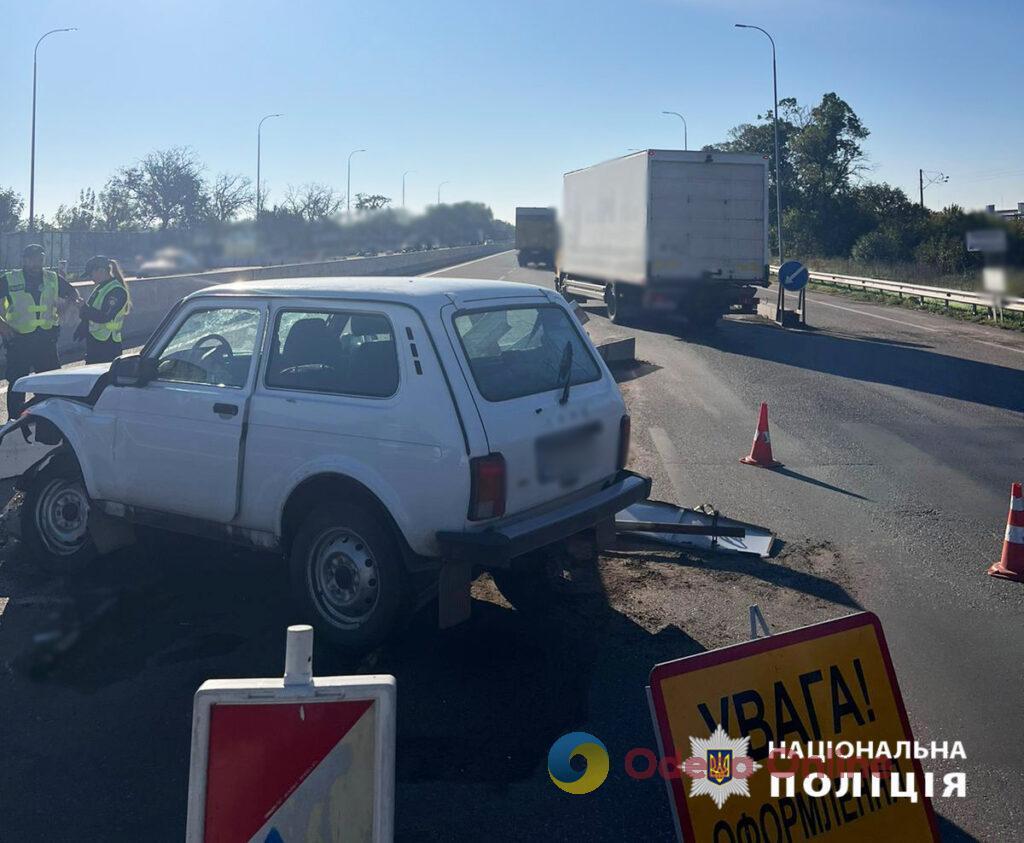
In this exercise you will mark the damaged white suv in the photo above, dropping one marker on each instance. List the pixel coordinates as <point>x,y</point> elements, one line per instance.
<point>384,434</point>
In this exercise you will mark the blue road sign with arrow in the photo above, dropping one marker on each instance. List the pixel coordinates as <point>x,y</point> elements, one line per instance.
<point>793,275</point>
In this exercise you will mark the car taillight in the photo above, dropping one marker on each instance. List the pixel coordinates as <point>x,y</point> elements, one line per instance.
<point>624,434</point>
<point>487,487</point>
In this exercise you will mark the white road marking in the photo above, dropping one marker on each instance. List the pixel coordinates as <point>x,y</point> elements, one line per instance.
<point>1004,347</point>
<point>875,316</point>
<point>914,325</point>
<point>467,263</point>
<point>669,458</point>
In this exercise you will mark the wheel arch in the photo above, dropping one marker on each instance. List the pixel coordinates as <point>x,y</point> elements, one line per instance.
<point>332,485</point>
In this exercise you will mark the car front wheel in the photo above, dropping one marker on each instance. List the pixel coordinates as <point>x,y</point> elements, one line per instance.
<point>55,518</point>
<point>347,576</point>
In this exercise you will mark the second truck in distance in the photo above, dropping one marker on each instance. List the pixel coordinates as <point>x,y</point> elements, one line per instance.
<point>666,231</point>
<point>536,236</point>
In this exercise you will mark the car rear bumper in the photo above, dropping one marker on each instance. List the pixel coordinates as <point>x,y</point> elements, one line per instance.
<point>497,545</point>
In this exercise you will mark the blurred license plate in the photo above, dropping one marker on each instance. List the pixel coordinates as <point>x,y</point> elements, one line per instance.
<point>564,457</point>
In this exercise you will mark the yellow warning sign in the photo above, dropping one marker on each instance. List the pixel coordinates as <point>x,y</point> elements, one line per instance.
<point>716,714</point>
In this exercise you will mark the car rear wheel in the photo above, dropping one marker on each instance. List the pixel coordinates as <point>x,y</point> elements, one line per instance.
<point>55,518</point>
<point>347,576</point>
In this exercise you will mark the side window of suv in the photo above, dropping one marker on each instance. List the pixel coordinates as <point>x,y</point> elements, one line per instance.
<point>337,352</point>
<point>212,347</point>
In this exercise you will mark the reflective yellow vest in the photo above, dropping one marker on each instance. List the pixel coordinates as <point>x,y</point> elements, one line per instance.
<point>19,308</point>
<point>112,330</point>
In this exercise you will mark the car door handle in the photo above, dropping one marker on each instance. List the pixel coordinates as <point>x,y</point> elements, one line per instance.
<point>225,409</point>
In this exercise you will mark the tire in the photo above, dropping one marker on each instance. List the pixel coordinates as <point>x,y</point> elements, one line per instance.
<point>620,310</point>
<point>55,518</point>
<point>533,585</point>
<point>347,576</point>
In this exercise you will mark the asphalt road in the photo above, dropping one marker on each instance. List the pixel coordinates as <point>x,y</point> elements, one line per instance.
<point>900,433</point>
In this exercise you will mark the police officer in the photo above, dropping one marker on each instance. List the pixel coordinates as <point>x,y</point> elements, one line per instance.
<point>104,312</point>
<point>30,319</point>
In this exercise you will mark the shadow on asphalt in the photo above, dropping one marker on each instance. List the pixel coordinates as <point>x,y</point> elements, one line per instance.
<point>875,361</point>
<point>796,475</point>
<point>104,729</point>
<point>773,572</point>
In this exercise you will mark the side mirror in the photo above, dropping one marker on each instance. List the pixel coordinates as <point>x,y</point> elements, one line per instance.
<point>132,370</point>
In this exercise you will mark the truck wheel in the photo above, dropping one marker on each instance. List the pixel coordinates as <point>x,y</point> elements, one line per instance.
<point>621,310</point>
<point>347,576</point>
<point>55,518</point>
<point>534,584</point>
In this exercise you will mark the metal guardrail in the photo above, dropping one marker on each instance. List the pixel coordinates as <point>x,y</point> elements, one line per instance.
<point>918,291</point>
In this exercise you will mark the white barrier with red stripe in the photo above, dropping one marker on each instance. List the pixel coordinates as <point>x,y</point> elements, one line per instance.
<point>293,759</point>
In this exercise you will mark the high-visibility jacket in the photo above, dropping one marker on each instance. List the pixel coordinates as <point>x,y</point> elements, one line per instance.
<point>19,308</point>
<point>111,330</point>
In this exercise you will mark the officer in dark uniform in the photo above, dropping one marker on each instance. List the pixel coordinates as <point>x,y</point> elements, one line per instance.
<point>103,314</point>
<point>30,319</point>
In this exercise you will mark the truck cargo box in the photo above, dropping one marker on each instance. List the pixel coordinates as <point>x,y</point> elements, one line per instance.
<point>665,217</point>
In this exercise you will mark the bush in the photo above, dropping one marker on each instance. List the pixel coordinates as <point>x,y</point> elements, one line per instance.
<point>878,246</point>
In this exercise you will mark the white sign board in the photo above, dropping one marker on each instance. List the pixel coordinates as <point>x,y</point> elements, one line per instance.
<point>986,240</point>
<point>283,760</point>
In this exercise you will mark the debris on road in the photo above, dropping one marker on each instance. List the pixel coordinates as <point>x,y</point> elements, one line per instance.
<point>703,528</point>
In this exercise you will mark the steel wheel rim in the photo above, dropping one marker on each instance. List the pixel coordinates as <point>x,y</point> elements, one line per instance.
<point>62,516</point>
<point>343,577</point>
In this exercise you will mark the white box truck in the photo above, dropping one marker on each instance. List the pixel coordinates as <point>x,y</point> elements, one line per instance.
<point>661,230</point>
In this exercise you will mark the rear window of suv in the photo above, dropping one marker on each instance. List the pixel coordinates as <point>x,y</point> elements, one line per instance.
<point>518,351</point>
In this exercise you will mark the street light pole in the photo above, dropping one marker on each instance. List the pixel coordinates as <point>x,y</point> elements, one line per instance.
<point>259,149</point>
<point>403,185</point>
<point>348,181</point>
<point>32,165</point>
<point>442,184</point>
<point>778,177</point>
<point>686,142</point>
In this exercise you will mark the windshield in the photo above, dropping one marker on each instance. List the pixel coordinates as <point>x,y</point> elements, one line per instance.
<point>517,351</point>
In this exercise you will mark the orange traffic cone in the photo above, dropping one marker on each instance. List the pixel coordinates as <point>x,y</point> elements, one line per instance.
<point>761,451</point>
<point>1011,565</point>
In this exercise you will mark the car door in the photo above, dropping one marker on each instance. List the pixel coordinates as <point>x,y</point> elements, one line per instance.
<point>179,437</point>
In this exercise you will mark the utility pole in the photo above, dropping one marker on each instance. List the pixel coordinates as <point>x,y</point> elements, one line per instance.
<point>259,150</point>
<point>442,184</point>
<point>686,140</point>
<point>403,185</point>
<point>32,165</point>
<point>778,177</point>
<point>348,181</point>
<point>933,178</point>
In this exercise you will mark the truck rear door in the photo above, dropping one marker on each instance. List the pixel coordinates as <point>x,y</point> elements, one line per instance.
<point>707,220</point>
<point>516,356</point>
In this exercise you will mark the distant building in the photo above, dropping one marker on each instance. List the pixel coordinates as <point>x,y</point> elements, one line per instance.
<point>1009,213</point>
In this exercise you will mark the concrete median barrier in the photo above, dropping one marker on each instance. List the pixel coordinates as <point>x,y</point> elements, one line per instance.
<point>152,298</point>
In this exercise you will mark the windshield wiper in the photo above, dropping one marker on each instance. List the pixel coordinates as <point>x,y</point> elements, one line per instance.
<point>565,371</point>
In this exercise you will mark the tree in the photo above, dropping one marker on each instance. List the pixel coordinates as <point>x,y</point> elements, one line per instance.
<point>827,152</point>
<point>371,202</point>
<point>167,188</point>
<point>117,209</point>
<point>81,216</point>
<point>313,201</point>
<point>11,206</point>
<point>229,194</point>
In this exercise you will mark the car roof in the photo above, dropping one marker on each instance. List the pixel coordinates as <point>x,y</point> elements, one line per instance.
<point>421,291</point>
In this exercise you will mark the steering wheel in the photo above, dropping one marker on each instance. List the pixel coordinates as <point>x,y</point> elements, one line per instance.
<point>222,347</point>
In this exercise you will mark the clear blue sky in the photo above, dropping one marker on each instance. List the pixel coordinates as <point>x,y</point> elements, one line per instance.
<point>500,98</point>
